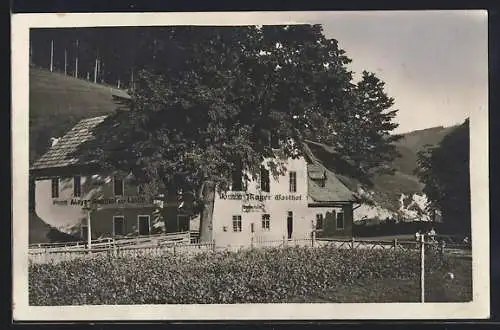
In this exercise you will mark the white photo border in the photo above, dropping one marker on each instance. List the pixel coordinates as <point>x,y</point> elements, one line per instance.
<point>21,23</point>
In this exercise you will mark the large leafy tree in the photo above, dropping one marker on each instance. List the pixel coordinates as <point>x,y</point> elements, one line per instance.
<point>209,101</point>
<point>444,169</point>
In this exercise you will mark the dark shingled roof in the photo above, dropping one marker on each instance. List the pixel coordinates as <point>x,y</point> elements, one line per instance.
<point>333,191</point>
<point>63,152</point>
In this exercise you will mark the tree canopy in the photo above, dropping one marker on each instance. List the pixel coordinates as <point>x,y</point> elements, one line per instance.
<point>207,102</point>
<point>444,169</point>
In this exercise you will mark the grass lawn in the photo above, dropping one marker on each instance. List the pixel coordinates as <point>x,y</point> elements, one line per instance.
<point>438,289</point>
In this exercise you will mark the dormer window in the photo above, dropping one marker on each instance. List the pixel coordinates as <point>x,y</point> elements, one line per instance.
<point>319,178</point>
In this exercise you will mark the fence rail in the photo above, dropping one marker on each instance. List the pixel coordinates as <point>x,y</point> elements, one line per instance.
<point>144,240</point>
<point>181,244</point>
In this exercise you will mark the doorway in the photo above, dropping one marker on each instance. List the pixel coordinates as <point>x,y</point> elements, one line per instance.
<point>182,223</point>
<point>289,222</point>
<point>144,225</point>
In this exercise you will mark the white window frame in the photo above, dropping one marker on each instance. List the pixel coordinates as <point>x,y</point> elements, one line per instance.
<point>336,221</point>
<point>74,186</point>
<point>264,221</point>
<point>52,181</point>
<point>114,219</point>
<point>114,185</point>
<point>138,223</point>
<point>294,174</point>
<point>238,219</point>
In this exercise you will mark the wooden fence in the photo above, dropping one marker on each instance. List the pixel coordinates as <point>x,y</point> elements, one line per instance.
<point>181,244</point>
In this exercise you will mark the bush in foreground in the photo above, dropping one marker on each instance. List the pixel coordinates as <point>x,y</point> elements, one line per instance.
<point>252,276</point>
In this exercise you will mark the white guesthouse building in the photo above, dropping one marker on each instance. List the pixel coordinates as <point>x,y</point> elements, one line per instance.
<point>307,197</point>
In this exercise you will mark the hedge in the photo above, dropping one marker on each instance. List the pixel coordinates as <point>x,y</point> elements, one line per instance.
<point>250,276</point>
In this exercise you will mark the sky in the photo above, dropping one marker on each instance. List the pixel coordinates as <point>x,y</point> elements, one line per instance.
<point>434,64</point>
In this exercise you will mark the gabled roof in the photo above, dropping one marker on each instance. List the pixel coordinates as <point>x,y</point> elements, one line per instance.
<point>63,152</point>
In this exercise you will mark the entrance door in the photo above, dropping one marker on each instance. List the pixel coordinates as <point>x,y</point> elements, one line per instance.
<point>182,223</point>
<point>289,222</point>
<point>118,226</point>
<point>143,224</point>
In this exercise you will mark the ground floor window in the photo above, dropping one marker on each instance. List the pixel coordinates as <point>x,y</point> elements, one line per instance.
<point>236,223</point>
<point>340,220</point>
<point>319,221</point>
<point>143,225</point>
<point>266,221</point>
<point>118,225</point>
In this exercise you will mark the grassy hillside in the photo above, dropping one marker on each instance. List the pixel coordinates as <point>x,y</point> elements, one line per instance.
<point>58,102</point>
<point>387,189</point>
<point>415,141</point>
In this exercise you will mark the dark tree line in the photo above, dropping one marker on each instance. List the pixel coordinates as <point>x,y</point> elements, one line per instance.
<point>444,169</point>
<point>116,52</point>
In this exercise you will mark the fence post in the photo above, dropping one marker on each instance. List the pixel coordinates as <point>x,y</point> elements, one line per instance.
<point>174,248</point>
<point>422,269</point>
<point>395,243</point>
<point>352,243</point>
<point>313,238</point>
<point>251,242</point>
<point>284,240</point>
<point>213,245</point>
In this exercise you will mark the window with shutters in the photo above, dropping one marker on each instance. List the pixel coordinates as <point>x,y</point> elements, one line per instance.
<point>236,223</point>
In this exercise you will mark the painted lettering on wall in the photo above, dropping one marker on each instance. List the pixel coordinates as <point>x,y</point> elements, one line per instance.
<point>260,198</point>
<point>101,201</point>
